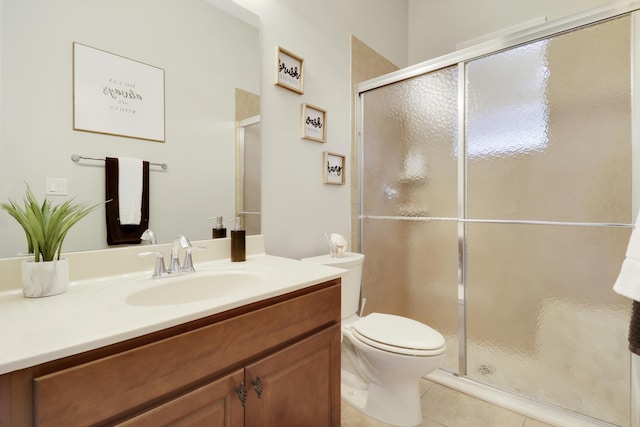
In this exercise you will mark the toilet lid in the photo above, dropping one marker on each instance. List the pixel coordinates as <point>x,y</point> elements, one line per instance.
<point>399,335</point>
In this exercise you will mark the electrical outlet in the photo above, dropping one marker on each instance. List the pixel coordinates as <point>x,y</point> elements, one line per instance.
<point>56,187</point>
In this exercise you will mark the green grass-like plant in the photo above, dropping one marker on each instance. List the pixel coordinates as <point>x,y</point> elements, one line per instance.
<point>46,225</point>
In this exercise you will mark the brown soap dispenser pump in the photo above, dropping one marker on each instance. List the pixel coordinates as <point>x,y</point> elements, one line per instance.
<point>238,241</point>
<point>218,232</point>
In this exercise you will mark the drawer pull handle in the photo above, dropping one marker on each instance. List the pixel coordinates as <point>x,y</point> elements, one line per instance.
<point>241,391</point>
<point>258,386</point>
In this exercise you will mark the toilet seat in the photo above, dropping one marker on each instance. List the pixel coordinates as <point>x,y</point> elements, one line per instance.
<point>398,334</point>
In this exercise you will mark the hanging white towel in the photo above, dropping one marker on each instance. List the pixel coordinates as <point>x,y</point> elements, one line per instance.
<point>628,282</point>
<point>130,190</point>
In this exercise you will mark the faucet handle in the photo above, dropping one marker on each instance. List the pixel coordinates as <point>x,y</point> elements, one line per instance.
<point>188,262</point>
<point>181,241</point>
<point>159,270</point>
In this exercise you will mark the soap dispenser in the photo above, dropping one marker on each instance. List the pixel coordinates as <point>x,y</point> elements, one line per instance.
<point>238,247</point>
<point>218,232</point>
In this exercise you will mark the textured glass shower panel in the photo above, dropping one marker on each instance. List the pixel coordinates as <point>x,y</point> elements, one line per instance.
<point>549,126</point>
<point>542,318</point>
<point>410,269</point>
<point>410,167</point>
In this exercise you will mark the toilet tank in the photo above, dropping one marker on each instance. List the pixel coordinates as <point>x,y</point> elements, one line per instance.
<point>351,280</point>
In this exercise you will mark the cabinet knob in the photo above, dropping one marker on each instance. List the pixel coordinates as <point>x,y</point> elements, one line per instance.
<point>258,386</point>
<point>241,391</point>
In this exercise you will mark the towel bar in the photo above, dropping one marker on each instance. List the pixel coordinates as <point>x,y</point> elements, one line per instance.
<point>78,157</point>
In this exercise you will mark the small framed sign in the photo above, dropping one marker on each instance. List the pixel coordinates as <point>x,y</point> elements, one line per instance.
<point>314,123</point>
<point>116,95</point>
<point>334,168</point>
<point>289,70</point>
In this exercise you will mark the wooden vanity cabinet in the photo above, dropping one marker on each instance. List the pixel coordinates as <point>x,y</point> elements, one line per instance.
<point>291,387</point>
<point>272,363</point>
<point>214,404</point>
<point>295,386</point>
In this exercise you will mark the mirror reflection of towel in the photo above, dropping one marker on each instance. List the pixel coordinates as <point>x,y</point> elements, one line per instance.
<point>130,190</point>
<point>634,329</point>
<point>628,282</point>
<point>117,233</point>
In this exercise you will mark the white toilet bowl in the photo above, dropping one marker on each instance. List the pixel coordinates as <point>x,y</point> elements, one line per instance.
<point>383,356</point>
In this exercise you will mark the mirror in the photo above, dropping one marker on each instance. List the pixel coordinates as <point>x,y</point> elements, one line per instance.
<point>211,63</point>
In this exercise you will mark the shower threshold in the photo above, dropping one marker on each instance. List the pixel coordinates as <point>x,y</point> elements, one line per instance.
<point>530,408</point>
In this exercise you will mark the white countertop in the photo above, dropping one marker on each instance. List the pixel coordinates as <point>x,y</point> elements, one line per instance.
<point>94,312</point>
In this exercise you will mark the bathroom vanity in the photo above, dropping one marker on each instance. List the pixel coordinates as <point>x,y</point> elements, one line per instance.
<point>270,359</point>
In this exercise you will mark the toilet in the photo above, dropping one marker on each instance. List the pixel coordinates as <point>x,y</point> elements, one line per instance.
<point>384,356</point>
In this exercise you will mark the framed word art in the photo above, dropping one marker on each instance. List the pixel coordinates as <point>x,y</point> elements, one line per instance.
<point>289,70</point>
<point>314,123</point>
<point>116,95</point>
<point>334,168</point>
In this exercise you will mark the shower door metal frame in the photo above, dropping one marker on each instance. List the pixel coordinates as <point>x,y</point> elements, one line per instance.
<point>549,29</point>
<point>460,59</point>
<point>462,216</point>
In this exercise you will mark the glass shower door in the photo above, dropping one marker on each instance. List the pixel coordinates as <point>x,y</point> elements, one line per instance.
<point>498,213</point>
<point>548,177</point>
<point>409,207</point>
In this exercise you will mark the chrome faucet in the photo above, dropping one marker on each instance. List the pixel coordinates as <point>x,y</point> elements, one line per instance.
<point>180,241</point>
<point>150,236</point>
<point>175,268</point>
<point>187,266</point>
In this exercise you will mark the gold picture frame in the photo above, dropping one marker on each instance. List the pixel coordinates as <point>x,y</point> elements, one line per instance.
<point>289,70</point>
<point>334,168</point>
<point>314,123</point>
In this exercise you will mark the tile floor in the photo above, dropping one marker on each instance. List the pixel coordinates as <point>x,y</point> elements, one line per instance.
<point>445,407</point>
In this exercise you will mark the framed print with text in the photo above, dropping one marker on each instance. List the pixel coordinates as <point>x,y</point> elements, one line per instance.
<point>116,95</point>
<point>314,123</point>
<point>334,168</point>
<point>289,70</point>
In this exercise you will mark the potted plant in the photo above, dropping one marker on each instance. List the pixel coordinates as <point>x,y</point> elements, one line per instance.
<point>46,225</point>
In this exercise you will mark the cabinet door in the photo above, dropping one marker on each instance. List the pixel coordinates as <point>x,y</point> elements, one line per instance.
<point>297,386</point>
<point>213,405</point>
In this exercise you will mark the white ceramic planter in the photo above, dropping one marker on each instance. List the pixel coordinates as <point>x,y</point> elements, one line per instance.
<point>43,279</point>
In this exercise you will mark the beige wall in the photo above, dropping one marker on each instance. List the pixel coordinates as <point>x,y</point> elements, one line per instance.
<point>247,104</point>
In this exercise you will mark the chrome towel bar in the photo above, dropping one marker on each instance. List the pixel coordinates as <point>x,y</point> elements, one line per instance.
<point>78,157</point>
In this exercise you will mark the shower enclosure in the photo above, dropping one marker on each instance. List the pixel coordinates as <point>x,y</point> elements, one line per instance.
<point>496,205</point>
<point>248,173</point>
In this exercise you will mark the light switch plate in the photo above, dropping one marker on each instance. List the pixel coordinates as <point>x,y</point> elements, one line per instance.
<point>56,187</point>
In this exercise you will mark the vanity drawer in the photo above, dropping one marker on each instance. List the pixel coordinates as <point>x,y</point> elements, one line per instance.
<point>110,388</point>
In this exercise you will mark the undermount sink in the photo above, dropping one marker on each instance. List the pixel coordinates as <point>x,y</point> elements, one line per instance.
<point>195,287</point>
